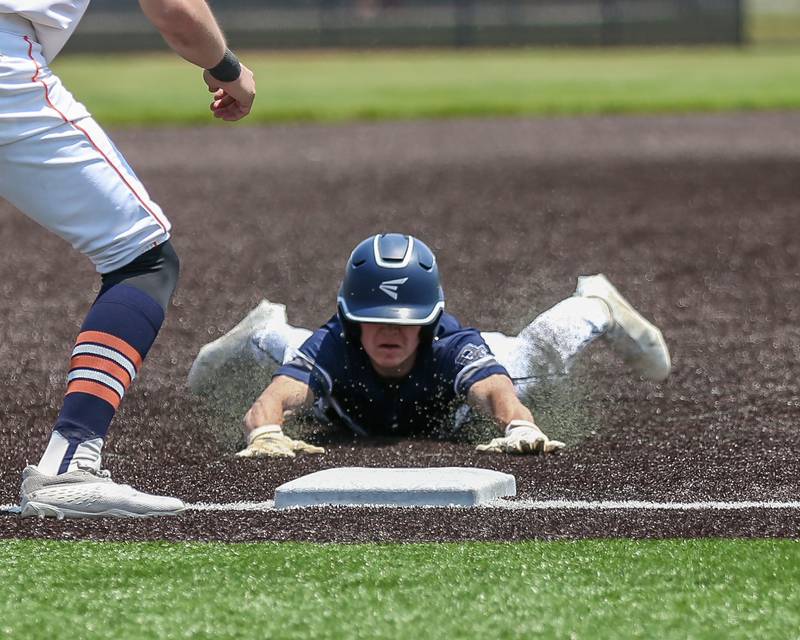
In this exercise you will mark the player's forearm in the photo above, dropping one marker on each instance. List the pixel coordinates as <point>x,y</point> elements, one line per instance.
<point>265,410</point>
<point>506,410</point>
<point>496,397</point>
<point>281,397</point>
<point>189,28</point>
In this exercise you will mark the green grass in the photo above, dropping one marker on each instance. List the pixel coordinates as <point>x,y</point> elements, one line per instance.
<point>584,589</point>
<point>334,86</point>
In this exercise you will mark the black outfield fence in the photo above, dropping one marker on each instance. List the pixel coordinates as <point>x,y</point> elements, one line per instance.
<point>118,24</point>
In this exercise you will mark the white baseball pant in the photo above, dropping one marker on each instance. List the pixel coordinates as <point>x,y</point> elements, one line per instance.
<point>59,168</point>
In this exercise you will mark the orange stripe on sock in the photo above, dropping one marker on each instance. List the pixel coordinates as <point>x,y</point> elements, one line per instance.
<point>101,364</point>
<point>112,342</point>
<point>94,389</point>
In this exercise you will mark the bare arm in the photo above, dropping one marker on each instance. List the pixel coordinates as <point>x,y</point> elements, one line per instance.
<point>495,396</point>
<point>283,395</point>
<point>190,29</point>
<point>262,424</point>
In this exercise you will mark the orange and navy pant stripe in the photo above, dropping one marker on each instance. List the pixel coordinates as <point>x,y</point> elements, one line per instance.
<point>103,366</point>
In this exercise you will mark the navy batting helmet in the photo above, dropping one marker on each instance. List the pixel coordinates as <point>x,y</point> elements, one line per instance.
<point>391,279</point>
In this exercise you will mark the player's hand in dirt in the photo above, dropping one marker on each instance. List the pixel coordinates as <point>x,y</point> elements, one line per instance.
<point>522,437</point>
<point>232,100</point>
<point>269,441</point>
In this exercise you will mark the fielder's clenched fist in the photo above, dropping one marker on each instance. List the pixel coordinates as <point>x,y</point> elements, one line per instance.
<point>522,437</point>
<point>233,100</point>
<point>269,441</point>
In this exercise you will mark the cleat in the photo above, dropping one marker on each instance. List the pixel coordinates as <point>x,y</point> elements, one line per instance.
<point>214,355</point>
<point>639,342</point>
<point>87,493</point>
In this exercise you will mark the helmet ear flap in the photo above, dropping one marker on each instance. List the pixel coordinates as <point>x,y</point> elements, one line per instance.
<point>351,330</point>
<point>428,332</point>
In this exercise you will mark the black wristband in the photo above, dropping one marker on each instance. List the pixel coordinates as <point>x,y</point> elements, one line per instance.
<point>229,68</point>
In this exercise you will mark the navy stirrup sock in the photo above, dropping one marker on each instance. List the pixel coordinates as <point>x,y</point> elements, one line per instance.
<point>118,332</point>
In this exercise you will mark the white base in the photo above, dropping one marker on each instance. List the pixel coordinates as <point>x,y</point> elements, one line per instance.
<point>425,487</point>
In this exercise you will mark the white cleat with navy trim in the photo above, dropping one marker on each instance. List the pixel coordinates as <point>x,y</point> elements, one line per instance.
<point>638,342</point>
<point>86,493</point>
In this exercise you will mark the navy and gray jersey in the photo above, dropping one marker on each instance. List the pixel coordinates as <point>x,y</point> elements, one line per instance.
<point>347,389</point>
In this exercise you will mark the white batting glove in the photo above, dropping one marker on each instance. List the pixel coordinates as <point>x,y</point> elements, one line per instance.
<point>269,441</point>
<point>522,437</point>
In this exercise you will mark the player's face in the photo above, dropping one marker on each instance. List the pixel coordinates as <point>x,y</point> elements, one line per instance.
<point>390,347</point>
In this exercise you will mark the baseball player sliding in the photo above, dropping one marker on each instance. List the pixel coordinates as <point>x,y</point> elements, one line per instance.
<point>59,168</point>
<point>392,362</point>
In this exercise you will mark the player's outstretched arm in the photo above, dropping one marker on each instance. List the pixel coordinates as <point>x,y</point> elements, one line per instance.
<point>495,396</point>
<point>262,423</point>
<point>189,27</point>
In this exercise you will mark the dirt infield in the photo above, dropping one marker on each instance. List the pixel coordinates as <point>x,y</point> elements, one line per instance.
<point>694,218</point>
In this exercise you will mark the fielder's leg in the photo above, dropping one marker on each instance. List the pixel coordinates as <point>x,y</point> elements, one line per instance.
<point>116,335</point>
<point>60,169</point>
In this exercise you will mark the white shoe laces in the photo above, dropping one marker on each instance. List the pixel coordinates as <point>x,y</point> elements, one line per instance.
<point>100,473</point>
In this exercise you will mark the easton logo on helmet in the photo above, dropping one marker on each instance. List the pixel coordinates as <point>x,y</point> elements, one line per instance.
<point>389,287</point>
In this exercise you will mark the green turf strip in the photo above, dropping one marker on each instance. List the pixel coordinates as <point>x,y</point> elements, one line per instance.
<point>582,589</point>
<point>331,86</point>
